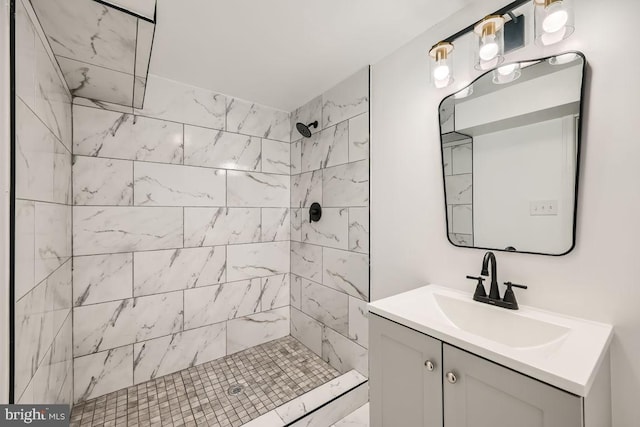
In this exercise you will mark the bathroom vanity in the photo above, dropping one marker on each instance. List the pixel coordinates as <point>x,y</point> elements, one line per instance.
<point>438,358</point>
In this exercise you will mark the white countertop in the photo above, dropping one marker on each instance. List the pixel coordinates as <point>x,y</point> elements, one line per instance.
<point>569,362</point>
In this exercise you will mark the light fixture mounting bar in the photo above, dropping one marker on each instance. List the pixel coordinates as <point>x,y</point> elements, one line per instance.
<point>503,11</point>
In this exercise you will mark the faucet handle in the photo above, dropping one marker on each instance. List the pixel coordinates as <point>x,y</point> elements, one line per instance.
<point>480,291</point>
<point>509,296</point>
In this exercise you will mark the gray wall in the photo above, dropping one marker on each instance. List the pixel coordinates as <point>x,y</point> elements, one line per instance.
<point>329,258</point>
<point>43,349</point>
<point>181,233</point>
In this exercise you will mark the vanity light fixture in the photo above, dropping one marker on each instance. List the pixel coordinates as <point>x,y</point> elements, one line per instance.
<point>490,37</point>
<point>553,21</point>
<point>506,73</point>
<point>563,59</point>
<point>441,66</point>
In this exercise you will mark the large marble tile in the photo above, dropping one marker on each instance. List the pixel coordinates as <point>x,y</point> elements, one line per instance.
<point>221,226</point>
<point>347,99</point>
<point>146,8</point>
<point>101,105</point>
<point>34,156</point>
<point>100,230</point>
<point>347,272</point>
<point>213,304</point>
<point>171,100</point>
<point>252,189</point>
<point>318,397</point>
<point>258,328</point>
<point>52,238</point>
<point>308,113</point>
<point>220,149</point>
<point>332,230</point>
<point>253,119</point>
<point>306,189</point>
<point>344,354</point>
<point>459,189</point>
<point>359,138</point>
<point>103,133</point>
<point>172,185</point>
<point>39,316</point>
<point>462,219</point>
<point>276,157</point>
<point>102,278</point>
<point>446,160</point>
<point>53,102</point>
<point>461,239</point>
<point>306,261</point>
<point>101,373</point>
<point>171,270</point>
<point>276,224</point>
<point>307,330</point>
<point>358,418</point>
<point>89,32</point>
<point>257,260</point>
<point>99,181</point>
<point>144,44</point>
<point>326,305</point>
<point>91,81</point>
<point>275,291</point>
<point>346,185</point>
<point>270,419</point>
<point>296,291</point>
<point>24,260</point>
<point>359,230</point>
<point>296,157</point>
<point>462,159</point>
<point>165,355</point>
<point>337,409</point>
<point>328,148</point>
<point>109,325</point>
<point>25,56</point>
<point>48,383</point>
<point>62,165</point>
<point>296,223</point>
<point>359,321</point>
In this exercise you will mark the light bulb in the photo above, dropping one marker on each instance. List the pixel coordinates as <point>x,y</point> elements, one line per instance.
<point>489,48</point>
<point>441,72</point>
<point>507,69</point>
<point>563,59</point>
<point>557,17</point>
<point>464,92</point>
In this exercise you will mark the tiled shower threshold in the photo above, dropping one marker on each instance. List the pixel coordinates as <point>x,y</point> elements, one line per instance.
<point>276,381</point>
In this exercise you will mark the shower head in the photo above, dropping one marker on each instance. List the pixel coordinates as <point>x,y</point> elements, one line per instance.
<point>304,129</point>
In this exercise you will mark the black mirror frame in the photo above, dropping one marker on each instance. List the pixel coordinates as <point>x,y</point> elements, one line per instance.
<point>578,161</point>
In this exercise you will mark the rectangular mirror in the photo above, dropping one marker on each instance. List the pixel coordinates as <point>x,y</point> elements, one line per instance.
<point>510,151</point>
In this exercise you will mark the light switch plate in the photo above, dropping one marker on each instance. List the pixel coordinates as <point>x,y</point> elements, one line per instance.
<point>543,207</point>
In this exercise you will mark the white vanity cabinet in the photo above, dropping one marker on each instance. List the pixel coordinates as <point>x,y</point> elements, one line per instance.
<point>416,380</point>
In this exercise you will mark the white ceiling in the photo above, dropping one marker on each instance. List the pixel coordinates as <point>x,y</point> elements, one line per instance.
<point>282,53</point>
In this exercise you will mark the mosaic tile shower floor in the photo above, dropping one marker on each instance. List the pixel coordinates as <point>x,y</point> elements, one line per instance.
<point>271,373</point>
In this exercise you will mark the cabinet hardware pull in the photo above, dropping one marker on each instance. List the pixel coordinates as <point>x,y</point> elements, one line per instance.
<point>451,377</point>
<point>430,366</point>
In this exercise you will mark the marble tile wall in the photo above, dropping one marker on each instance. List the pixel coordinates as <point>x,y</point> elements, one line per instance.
<point>330,258</point>
<point>181,233</point>
<point>43,275</point>
<point>458,171</point>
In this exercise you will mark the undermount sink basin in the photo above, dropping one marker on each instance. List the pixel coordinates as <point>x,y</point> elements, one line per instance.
<point>498,324</point>
<point>560,350</point>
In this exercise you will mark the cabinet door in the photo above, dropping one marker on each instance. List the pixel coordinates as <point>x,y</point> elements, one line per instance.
<point>403,390</point>
<point>485,394</point>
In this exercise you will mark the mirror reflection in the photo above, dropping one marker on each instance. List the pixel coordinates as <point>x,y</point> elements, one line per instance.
<point>510,147</point>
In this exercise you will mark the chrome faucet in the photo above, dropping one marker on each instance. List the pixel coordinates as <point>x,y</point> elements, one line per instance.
<point>494,292</point>
<point>489,265</point>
